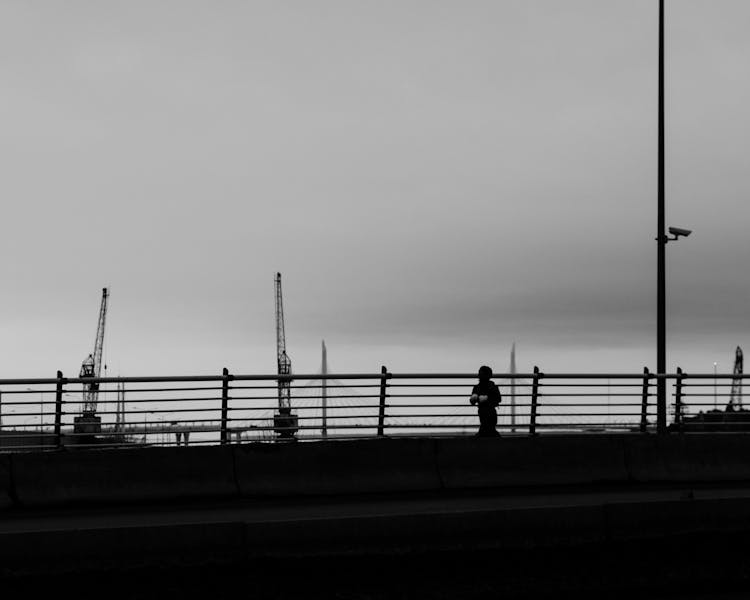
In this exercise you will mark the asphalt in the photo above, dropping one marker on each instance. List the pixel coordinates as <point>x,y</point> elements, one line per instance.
<point>657,541</point>
<point>315,508</point>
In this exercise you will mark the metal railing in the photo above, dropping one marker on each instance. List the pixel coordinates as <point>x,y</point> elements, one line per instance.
<point>45,414</point>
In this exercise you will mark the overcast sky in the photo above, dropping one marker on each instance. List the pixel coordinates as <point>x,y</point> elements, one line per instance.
<point>434,180</point>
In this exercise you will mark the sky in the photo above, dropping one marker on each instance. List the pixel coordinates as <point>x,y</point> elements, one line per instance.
<point>434,180</point>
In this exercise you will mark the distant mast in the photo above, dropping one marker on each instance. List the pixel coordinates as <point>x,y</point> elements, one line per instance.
<point>324,389</point>
<point>120,413</point>
<point>735,398</point>
<point>513,388</point>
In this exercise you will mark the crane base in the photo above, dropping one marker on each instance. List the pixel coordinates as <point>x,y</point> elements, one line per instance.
<point>285,424</point>
<point>87,423</point>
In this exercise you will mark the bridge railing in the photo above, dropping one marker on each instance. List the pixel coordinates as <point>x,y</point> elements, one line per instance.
<point>708,402</point>
<point>45,414</point>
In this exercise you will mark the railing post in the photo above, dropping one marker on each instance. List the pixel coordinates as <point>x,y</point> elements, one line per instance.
<point>534,401</point>
<point>58,409</point>
<point>381,410</point>
<point>644,401</point>
<point>678,400</point>
<point>224,404</point>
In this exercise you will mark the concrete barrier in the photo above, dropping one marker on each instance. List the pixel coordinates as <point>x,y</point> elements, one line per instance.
<point>688,458</point>
<point>120,476</point>
<point>6,498</point>
<point>508,462</point>
<point>361,466</point>
<point>106,476</point>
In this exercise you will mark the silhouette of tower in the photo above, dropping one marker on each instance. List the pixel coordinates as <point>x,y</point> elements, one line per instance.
<point>120,413</point>
<point>324,390</point>
<point>735,398</point>
<point>513,388</point>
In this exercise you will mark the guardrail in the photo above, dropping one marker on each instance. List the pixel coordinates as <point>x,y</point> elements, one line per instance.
<point>44,414</point>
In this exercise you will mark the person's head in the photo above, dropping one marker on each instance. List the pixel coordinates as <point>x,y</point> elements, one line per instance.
<point>485,373</point>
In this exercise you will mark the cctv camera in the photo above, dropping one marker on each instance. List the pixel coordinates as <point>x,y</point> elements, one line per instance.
<point>677,231</point>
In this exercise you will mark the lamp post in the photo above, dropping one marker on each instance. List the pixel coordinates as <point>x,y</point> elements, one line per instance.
<point>661,241</point>
<point>661,347</point>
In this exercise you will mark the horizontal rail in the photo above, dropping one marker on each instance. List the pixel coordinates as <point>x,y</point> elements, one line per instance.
<point>46,414</point>
<point>356,376</point>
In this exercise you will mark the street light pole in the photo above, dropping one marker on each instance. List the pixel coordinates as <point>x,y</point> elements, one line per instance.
<point>661,346</point>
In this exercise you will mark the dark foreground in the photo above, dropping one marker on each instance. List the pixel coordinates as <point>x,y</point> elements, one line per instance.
<point>567,516</point>
<point>696,566</point>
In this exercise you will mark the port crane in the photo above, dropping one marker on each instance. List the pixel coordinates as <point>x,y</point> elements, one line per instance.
<point>285,423</point>
<point>735,397</point>
<point>89,422</point>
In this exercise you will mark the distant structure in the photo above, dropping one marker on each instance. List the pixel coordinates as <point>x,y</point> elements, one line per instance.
<point>120,413</point>
<point>89,422</point>
<point>735,398</point>
<point>324,390</point>
<point>284,422</point>
<point>513,388</point>
<point>732,418</point>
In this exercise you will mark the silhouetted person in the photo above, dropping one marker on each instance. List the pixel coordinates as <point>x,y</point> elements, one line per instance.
<point>487,397</point>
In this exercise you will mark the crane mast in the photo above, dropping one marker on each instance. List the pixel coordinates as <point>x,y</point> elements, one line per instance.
<point>91,367</point>
<point>282,359</point>
<point>735,398</point>
<point>285,423</point>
